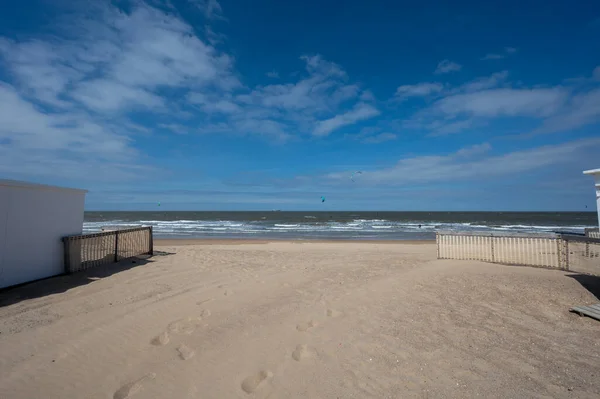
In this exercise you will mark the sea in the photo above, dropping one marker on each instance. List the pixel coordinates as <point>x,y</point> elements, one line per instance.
<point>337,225</point>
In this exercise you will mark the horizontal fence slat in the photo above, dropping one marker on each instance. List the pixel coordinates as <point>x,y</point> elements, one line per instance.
<point>86,251</point>
<point>104,233</point>
<point>490,234</point>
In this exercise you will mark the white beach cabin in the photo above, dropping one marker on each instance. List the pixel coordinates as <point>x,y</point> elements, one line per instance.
<point>33,220</point>
<point>596,174</point>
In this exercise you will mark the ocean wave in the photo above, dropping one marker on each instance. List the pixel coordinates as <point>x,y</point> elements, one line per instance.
<point>311,228</point>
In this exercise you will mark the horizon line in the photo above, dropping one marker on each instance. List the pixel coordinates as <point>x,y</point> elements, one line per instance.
<point>351,210</point>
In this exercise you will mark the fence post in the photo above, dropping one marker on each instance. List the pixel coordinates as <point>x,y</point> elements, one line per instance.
<point>566,249</point>
<point>151,249</point>
<point>559,244</point>
<point>587,249</point>
<point>66,254</point>
<point>492,243</point>
<point>437,244</point>
<point>116,246</point>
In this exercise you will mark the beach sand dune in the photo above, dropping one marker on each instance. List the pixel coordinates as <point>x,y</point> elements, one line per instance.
<point>300,320</point>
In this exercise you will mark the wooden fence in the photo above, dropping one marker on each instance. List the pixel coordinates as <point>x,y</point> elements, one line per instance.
<point>593,233</point>
<point>581,254</point>
<point>565,252</point>
<point>91,250</point>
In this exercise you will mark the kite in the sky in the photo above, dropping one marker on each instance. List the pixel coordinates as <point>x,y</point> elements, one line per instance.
<point>159,204</point>
<point>358,172</point>
<point>322,199</point>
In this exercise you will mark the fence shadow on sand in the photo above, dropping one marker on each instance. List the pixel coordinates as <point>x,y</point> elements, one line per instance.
<point>64,282</point>
<point>589,282</point>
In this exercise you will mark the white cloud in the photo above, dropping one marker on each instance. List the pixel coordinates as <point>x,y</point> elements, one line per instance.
<point>176,128</point>
<point>367,96</point>
<point>437,118</point>
<point>477,102</point>
<point>419,90</point>
<point>214,38</point>
<point>582,109</point>
<point>447,66</point>
<point>211,8</point>
<point>489,82</point>
<point>441,128</point>
<point>380,138</point>
<point>273,74</point>
<point>27,127</point>
<point>596,73</point>
<point>472,163</point>
<point>214,104</point>
<point>504,102</point>
<point>323,88</point>
<point>301,106</point>
<point>39,67</point>
<point>70,144</point>
<point>497,56</point>
<point>360,112</point>
<point>264,127</point>
<point>493,56</point>
<point>117,59</point>
<point>72,90</point>
<point>71,94</point>
<point>345,93</point>
<point>103,95</point>
<point>113,62</point>
<point>476,149</point>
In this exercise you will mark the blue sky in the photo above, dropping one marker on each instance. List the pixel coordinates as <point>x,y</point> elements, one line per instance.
<point>232,104</point>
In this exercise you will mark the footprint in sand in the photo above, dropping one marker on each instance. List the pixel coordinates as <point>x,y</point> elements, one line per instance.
<point>185,352</point>
<point>128,390</point>
<point>161,339</point>
<point>333,313</point>
<point>228,293</point>
<point>300,353</point>
<point>205,313</point>
<point>305,326</point>
<point>204,301</point>
<point>185,326</point>
<point>251,383</point>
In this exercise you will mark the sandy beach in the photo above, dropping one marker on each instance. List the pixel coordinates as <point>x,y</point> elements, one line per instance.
<point>237,319</point>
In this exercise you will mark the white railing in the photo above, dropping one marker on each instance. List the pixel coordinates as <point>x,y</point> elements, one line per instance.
<point>566,252</point>
<point>510,249</point>
<point>581,254</point>
<point>592,233</point>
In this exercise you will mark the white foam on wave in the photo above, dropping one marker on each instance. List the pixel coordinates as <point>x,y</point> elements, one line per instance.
<point>346,228</point>
<point>356,227</point>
